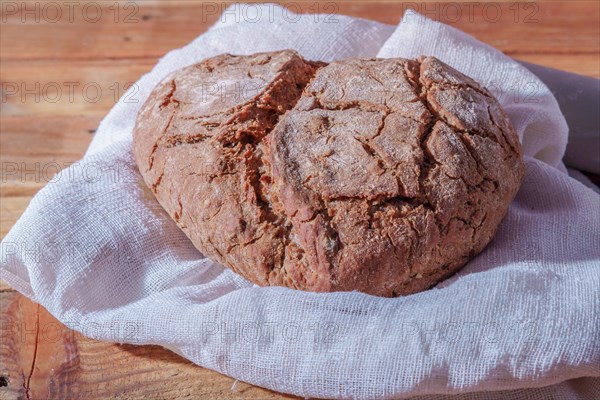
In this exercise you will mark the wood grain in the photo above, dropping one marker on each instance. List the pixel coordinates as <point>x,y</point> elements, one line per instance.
<point>582,64</point>
<point>68,87</point>
<point>52,143</point>
<point>55,362</point>
<point>42,133</point>
<point>541,27</point>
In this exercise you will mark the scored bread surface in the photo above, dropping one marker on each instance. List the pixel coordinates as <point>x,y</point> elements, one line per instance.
<point>378,175</point>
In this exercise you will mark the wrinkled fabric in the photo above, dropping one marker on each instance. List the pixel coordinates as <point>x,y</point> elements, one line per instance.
<point>520,320</point>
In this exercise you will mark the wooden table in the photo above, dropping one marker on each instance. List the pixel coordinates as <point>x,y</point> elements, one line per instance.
<point>60,75</point>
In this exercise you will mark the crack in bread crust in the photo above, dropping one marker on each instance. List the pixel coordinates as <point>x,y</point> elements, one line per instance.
<point>377,175</point>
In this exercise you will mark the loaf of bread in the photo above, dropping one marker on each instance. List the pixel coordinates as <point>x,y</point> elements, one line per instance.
<point>378,175</point>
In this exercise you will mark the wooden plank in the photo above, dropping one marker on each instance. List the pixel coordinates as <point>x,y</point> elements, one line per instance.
<point>12,209</point>
<point>66,87</point>
<point>152,29</point>
<point>41,358</point>
<point>17,347</point>
<point>45,139</point>
<point>99,30</point>
<point>69,87</point>
<point>90,88</point>
<point>34,149</point>
<point>582,64</point>
<point>512,27</point>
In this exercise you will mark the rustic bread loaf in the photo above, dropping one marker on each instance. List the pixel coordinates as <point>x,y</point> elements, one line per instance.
<point>378,175</point>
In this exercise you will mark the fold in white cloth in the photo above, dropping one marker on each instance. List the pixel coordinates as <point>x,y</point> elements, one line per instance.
<point>96,249</point>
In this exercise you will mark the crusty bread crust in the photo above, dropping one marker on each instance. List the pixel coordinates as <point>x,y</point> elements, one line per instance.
<point>378,175</point>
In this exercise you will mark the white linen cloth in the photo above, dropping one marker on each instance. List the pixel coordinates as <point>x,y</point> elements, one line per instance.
<point>96,249</point>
